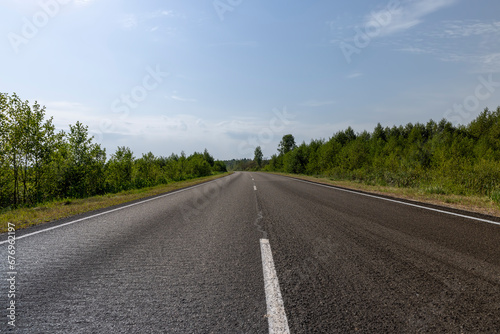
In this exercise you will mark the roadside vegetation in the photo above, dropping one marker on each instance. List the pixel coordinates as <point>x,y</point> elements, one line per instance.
<point>432,160</point>
<point>40,168</point>
<point>57,209</point>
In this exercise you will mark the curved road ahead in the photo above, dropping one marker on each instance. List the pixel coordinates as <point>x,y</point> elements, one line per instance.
<point>203,260</point>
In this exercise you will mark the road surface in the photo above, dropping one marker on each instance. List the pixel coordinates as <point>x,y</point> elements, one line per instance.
<point>256,253</point>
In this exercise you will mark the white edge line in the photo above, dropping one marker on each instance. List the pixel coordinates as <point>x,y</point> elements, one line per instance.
<point>399,202</point>
<point>113,210</point>
<point>276,315</point>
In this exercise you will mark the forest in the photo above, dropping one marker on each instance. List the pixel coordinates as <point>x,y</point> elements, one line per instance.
<point>439,158</point>
<point>38,164</point>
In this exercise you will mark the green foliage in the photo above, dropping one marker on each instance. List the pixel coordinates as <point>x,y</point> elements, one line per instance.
<point>39,165</point>
<point>436,157</point>
<point>287,144</point>
<point>119,170</point>
<point>197,166</point>
<point>27,144</point>
<point>219,167</point>
<point>208,158</point>
<point>84,164</point>
<point>146,171</point>
<point>258,156</point>
<point>436,189</point>
<point>495,196</point>
<point>296,160</point>
<point>275,163</point>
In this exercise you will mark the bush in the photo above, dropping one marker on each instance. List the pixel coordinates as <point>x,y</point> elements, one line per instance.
<point>495,196</point>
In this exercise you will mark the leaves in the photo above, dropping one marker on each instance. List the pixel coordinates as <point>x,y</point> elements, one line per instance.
<point>258,156</point>
<point>37,164</point>
<point>464,160</point>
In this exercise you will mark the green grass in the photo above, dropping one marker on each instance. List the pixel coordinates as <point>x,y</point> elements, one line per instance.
<point>26,217</point>
<point>495,196</point>
<point>435,189</point>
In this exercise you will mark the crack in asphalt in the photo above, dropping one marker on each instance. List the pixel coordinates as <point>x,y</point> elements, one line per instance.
<point>257,221</point>
<point>260,215</point>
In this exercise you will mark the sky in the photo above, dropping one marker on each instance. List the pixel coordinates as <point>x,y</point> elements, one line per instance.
<point>231,75</point>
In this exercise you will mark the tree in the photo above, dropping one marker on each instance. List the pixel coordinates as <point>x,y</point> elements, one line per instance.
<point>119,170</point>
<point>287,144</point>
<point>219,166</point>
<point>13,141</point>
<point>147,171</point>
<point>26,147</point>
<point>84,175</point>
<point>258,156</point>
<point>208,158</point>
<point>5,170</point>
<point>296,160</point>
<point>37,164</point>
<point>197,166</point>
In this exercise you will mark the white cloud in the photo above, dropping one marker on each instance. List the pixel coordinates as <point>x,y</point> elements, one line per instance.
<point>355,75</point>
<point>406,15</point>
<point>161,13</point>
<point>233,138</point>
<point>466,41</point>
<point>132,21</point>
<point>129,22</point>
<point>167,133</point>
<point>483,62</point>
<point>182,99</point>
<point>414,50</point>
<point>167,12</point>
<point>66,113</point>
<point>175,96</point>
<point>460,29</point>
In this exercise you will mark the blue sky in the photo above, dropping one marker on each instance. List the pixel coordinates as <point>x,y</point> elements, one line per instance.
<point>228,75</point>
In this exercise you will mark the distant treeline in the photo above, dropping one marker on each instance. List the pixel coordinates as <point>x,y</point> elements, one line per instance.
<point>38,165</point>
<point>242,164</point>
<point>437,157</point>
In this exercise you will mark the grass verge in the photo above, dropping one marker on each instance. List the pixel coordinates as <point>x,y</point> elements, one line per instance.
<point>479,204</point>
<point>26,217</point>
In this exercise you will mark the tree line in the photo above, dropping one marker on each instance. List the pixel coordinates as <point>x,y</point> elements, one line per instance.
<point>438,157</point>
<point>38,164</point>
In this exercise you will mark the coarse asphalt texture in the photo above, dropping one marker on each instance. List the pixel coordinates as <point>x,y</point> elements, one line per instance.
<point>190,262</point>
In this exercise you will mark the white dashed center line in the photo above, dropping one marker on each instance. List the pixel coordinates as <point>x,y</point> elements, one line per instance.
<point>276,315</point>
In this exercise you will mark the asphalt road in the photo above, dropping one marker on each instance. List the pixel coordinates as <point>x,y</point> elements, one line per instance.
<point>192,262</point>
